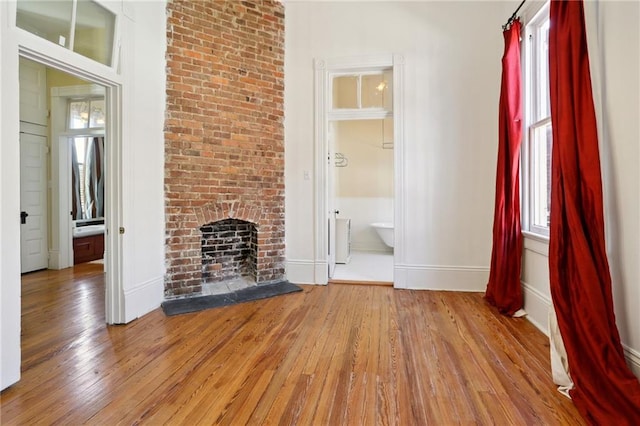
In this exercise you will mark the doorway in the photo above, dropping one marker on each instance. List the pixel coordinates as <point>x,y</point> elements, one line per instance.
<point>359,184</point>
<point>363,197</point>
<point>78,118</point>
<point>62,146</point>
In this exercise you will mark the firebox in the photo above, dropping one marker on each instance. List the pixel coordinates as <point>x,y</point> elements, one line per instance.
<point>229,255</point>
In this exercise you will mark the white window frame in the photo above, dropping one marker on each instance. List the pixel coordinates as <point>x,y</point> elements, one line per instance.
<point>109,5</point>
<point>372,113</point>
<point>533,119</point>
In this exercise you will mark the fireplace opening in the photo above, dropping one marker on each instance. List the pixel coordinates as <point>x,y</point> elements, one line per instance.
<point>229,255</point>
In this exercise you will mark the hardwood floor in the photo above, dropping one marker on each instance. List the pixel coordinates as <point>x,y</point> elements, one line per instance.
<point>330,355</point>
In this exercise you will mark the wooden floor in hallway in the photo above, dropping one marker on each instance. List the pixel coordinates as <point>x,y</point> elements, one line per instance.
<point>330,355</point>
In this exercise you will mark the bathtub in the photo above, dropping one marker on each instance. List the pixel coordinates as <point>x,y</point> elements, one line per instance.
<point>88,230</point>
<point>385,232</point>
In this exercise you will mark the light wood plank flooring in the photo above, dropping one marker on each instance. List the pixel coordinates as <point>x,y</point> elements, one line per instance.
<point>330,355</point>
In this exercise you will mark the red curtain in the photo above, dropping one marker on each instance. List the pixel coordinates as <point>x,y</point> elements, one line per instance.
<point>504,289</point>
<point>606,391</point>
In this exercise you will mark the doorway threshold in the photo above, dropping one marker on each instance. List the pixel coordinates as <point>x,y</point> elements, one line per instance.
<point>360,282</point>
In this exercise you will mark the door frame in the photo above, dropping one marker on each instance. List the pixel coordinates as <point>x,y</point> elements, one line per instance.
<point>62,232</point>
<point>114,291</point>
<point>323,69</point>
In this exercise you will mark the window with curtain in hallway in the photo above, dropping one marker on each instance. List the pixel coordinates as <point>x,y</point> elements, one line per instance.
<point>537,141</point>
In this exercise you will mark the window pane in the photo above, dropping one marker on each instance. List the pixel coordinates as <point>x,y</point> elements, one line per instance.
<point>376,92</point>
<point>78,114</point>
<point>81,148</point>
<point>345,92</point>
<point>388,91</point>
<point>543,71</point>
<point>94,31</point>
<point>541,175</point>
<point>50,20</point>
<point>96,113</point>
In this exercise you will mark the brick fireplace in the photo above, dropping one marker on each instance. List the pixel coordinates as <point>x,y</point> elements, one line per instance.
<point>224,146</point>
<point>229,255</point>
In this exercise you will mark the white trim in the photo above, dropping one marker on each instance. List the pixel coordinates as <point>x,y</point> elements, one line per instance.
<point>441,277</point>
<point>10,318</point>
<point>114,221</point>
<point>531,9</point>
<point>61,233</point>
<point>322,148</point>
<point>537,305</point>
<point>359,114</point>
<point>399,160</point>
<point>321,272</point>
<point>532,14</point>
<point>322,70</point>
<point>144,297</point>
<point>55,260</point>
<point>633,359</point>
<point>537,244</point>
<point>92,71</point>
<point>302,271</point>
<point>78,90</point>
<point>536,237</point>
<point>348,64</point>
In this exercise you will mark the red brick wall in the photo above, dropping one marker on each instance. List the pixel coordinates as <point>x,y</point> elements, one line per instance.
<point>224,136</point>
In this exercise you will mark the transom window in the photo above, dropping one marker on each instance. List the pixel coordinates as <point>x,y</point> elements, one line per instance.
<point>538,135</point>
<point>367,90</point>
<point>364,95</point>
<point>86,114</point>
<point>82,26</point>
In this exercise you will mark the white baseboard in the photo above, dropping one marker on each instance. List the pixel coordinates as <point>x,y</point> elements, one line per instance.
<point>307,271</point>
<point>54,259</point>
<point>633,359</point>
<point>537,306</point>
<point>143,298</point>
<point>450,278</point>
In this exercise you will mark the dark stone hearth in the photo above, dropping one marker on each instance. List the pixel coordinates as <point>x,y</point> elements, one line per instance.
<point>194,304</point>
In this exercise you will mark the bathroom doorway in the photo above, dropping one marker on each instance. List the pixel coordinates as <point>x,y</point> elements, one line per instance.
<point>363,97</point>
<point>363,196</point>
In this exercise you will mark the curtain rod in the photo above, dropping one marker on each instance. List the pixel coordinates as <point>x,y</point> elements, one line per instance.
<point>513,17</point>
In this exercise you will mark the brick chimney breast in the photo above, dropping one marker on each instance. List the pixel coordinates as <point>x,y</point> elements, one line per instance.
<point>224,137</point>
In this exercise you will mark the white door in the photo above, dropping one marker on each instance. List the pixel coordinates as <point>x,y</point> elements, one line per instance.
<point>33,92</point>
<point>33,202</point>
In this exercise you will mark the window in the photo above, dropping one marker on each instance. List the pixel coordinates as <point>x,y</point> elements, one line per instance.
<point>85,126</point>
<point>364,95</point>
<point>80,25</point>
<point>86,114</point>
<point>370,90</point>
<point>538,136</point>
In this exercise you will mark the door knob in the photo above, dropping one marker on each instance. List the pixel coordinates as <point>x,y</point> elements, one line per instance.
<point>23,217</point>
<point>336,212</point>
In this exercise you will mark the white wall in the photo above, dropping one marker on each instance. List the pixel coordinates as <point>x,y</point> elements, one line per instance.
<point>142,77</point>
<point>364,187</point>
<point>614,48</point>
<point>9,223</point>
<point>452,54</point>
<point>144,100</point>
